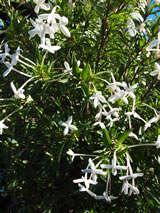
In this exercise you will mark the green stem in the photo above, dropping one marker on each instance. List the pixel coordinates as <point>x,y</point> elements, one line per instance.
<point>140,145</point>
<point>22,73</point>
<point>12,113</point>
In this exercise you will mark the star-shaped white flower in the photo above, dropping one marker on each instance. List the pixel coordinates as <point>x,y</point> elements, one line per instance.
<point>98,98</point>
<point>86,181</point>
<point>114,165</point>
<point>70,152</point>
<point>17,93</point>
<point>93,170</point>
<point>41,5</point>
<point>67,125</point>
<point>120,94</point>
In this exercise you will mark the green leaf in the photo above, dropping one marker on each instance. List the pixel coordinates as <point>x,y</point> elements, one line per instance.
<point>107,139</point>
<point>86,90</point>
<point>122,138</point>
<point>86,72</point>
<point>76,70</point>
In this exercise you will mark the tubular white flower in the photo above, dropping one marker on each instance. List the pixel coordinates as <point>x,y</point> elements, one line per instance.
<point>114,165</point>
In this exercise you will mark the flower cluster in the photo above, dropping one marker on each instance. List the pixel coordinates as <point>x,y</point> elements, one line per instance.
<point>117,103</point>
<point>47,24</point>
<point>91,177</point>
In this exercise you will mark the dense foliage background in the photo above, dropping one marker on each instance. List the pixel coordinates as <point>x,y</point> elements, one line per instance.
<point>36,174</point>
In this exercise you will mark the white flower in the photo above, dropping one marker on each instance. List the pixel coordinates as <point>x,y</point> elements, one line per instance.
<point>41,29</point>
<point>133,175</point>
<point>133,189</point>
<point>15,56</point>
<point>111,122</point>
<point>51,18</point>
<point>158,142</point>
<point>115,84</point>
<point>156,72</point>
<point>106,195</point>
<point>120,94</point>
<point>137,16</point>
<point>2,126</point>
<point>125,187</point>
<point>17,93</point>
<point>84,180</point>
<point>5,54</point>
<point>153,44</point>
<point>84,189</point>
<point>142,4</point>
<point>40,5</point>
<point>99,123</point>
<point>93,170</point>
<point>114,165</point>
<point>70,152</point>
<point>152,120</point>
<point>132,30</point>
<point>133,135</point>
<point>49,47</point>
<point>98,98</point>
<point>141,28</point>
<point>113,111</point>
<point>10,67</point>
<point>38,27</point>
<point>62,27</point>
<point>130,175</point>
<point>67,126</point>
<point>68,69</point>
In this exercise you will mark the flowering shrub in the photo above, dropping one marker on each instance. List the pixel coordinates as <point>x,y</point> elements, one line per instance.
<point>79,106</point>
